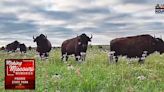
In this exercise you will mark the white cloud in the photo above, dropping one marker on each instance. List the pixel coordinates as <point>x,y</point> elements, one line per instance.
<point>131,8</point>
<point>101,39</point>
<point>81,25</point>
<point>71,5</point>
<point>106,19</point>
<point>30,16</point>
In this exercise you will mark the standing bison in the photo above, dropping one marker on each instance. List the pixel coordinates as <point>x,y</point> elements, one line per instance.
<point>23,48</point>
<point>43,45</point>
<point>12,46</point>
<point>76,46</point>
<point>136,46</point>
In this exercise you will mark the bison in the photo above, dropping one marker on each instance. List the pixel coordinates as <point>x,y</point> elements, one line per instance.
<point>23,48</point>
<point>136,46</point>
<point>76,46</point>
<point>2,48</point>
<point>43,45</point>
<point>30,48</point>
<point>12,46</point>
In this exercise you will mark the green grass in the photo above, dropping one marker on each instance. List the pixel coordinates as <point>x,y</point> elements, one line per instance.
<point>95,74</point>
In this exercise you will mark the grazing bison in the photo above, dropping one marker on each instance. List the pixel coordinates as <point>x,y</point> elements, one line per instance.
<point>136,46</point>
<point>76,46</point>
<point>12,46</point>
<point>23,48</point>
<point>43,45</point>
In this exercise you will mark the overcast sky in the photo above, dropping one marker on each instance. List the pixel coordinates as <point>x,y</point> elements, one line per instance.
<point>64,19</point>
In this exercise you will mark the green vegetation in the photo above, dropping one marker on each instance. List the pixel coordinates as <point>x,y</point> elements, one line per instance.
<point>95,74</point>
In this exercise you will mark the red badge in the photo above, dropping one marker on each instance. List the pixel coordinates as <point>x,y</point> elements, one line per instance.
<point>19,74</point>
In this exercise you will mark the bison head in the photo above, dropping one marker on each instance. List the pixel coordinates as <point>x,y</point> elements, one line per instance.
<point>160,45</point>
<point>83,40</point>
<point>39,38</point>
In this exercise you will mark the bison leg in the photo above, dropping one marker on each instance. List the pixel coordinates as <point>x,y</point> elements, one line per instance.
<point>41,55</point>
<point>83,55</point>
<point>77,57</point>
<point>116,59</point>
<point>144,55</point>
<point>64,57</point>
<point>111,56</point>
<point>141,60</point>
<point>46,54</point>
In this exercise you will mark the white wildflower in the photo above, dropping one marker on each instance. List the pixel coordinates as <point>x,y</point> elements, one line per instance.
<point>56,77</point>
<point>70,67</point>
<point>141,77</point>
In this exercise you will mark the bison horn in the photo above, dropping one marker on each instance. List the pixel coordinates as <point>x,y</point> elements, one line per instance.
<point>33,37</point>
<point>91,36</point>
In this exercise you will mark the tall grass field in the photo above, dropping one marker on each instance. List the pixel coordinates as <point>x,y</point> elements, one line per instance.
<point>95,74</point>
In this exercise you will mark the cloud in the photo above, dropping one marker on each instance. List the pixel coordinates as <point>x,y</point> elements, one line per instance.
<point>135,1</point>
<point>141,1</point>
<point>64,19</point>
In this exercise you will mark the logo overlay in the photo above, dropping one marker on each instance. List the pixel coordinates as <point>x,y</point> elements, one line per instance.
<point>159,9</point>
<point>19,74</point>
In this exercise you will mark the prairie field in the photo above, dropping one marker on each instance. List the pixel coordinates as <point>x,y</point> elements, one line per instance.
<point>95,74</point>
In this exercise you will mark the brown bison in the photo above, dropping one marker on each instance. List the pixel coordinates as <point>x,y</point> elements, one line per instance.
<point>136,46</point>
<point>43,45</point>
<point>76,46</point>
<point>12,46</point>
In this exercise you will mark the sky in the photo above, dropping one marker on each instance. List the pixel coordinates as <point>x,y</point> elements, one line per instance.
<point>64,19</point>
